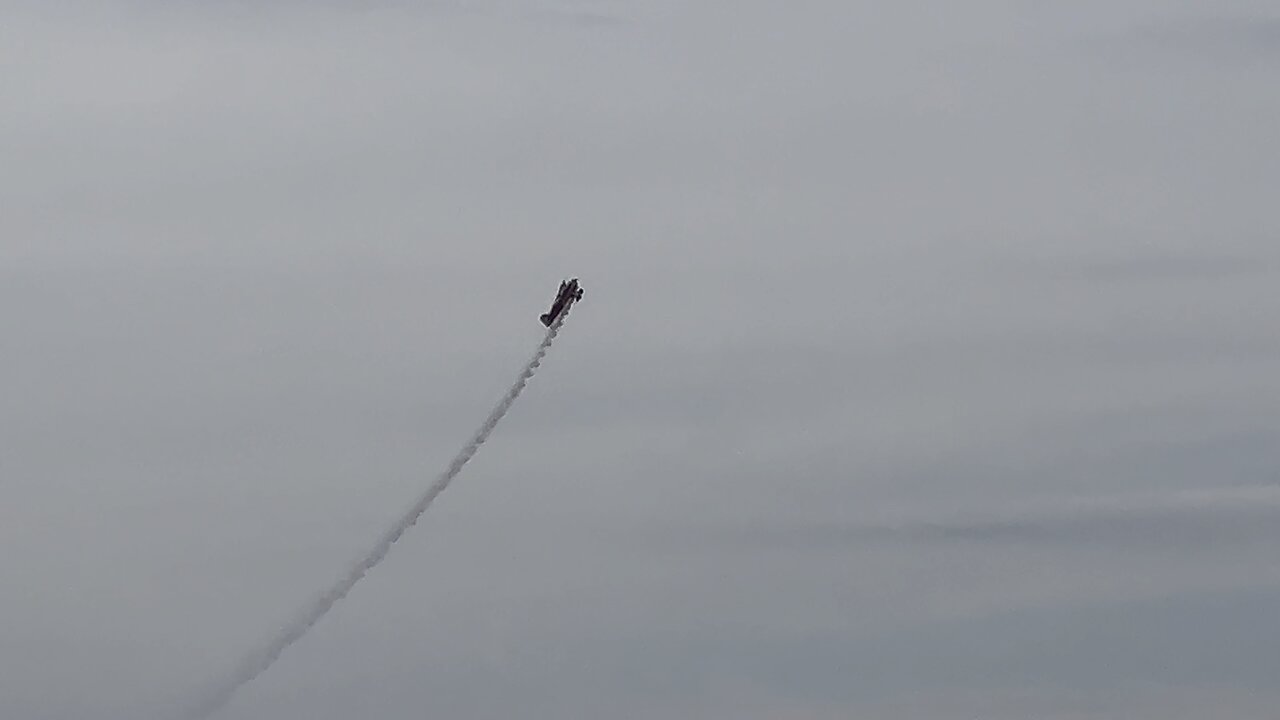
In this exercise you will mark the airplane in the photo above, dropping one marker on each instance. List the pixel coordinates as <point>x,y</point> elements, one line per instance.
<point>568,294</point>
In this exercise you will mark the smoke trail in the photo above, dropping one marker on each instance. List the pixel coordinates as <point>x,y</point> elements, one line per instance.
<point>258,663</point>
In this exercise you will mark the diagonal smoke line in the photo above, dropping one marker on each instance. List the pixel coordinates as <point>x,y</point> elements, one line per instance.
<point>258,663</point>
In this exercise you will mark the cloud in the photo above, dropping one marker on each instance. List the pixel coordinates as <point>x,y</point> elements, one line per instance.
<point>1219,37</point>
<point>1214,520</point>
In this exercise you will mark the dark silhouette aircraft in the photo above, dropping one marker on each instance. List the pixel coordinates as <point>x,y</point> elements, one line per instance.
<point>569,293</point>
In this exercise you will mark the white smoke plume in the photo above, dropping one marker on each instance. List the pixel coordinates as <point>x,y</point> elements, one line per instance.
<point>258,663</point>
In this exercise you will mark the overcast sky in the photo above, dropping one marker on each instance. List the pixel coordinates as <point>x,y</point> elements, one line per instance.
<point>927,366</point>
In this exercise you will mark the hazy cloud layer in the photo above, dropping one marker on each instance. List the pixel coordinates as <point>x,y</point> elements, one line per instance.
<point>926,365</point>
<point>1173,524</point>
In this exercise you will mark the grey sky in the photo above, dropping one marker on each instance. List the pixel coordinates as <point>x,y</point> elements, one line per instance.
<point>926,367</point>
